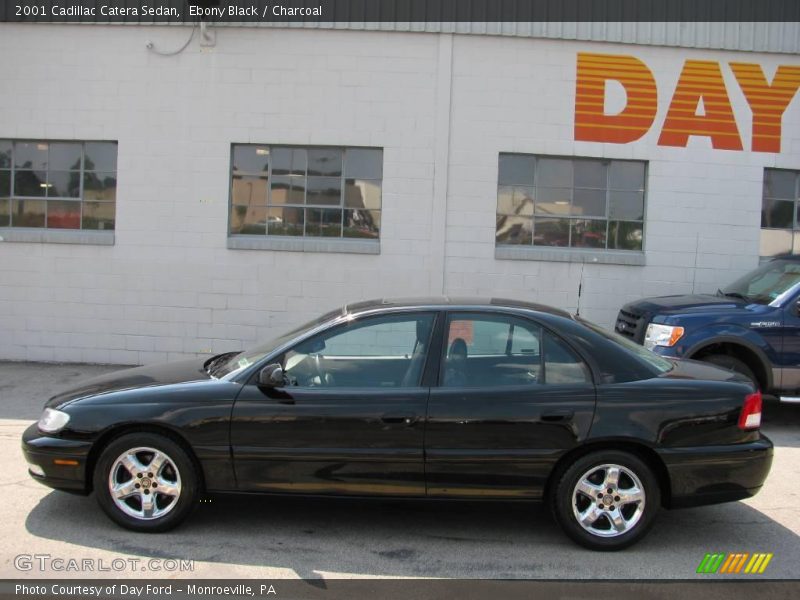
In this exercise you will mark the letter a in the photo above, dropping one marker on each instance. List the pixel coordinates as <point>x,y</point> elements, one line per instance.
<point>701,80</point>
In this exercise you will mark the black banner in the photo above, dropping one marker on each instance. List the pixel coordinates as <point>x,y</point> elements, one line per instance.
<point>413,11</point>
<point>394,589</point>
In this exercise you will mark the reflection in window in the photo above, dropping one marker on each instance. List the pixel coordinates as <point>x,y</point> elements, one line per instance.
<point>28,213</point>
<point>58,185</point>
<point>327,192</point>
<point>499,350</point>
<point>570,202</point>
<point>376,352</point>
<point>780,226</point>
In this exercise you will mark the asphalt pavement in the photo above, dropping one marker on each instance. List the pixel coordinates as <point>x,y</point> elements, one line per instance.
<point>268,537</point>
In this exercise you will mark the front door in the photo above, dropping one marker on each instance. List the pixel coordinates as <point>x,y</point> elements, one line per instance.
<point>788,358</point>
<point>350,419</point>
<point>512,398</point>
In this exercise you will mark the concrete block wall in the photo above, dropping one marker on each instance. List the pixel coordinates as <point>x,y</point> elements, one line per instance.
<point>703,206</point>
<point>169,287</point>
<point>441,106</point>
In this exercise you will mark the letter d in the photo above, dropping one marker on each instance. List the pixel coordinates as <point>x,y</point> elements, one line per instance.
<point>592,124</point>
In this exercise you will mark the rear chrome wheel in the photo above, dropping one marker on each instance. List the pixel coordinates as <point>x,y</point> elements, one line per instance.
<point>146,482</point>
<point>606,500</point>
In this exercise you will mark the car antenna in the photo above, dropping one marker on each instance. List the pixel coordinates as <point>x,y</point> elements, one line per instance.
<point>580,289</point>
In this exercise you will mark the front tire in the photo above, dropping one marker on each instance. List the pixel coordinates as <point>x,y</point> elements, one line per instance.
<point>606,500</point>
<point>146,482</point>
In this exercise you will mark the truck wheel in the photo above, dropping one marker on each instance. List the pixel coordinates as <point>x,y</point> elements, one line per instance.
<point>731,364</point>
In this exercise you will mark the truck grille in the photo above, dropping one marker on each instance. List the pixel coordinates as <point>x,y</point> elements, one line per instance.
<point>632,324</point>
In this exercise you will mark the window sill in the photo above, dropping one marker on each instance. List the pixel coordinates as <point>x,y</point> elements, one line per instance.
<point>298,244</point>
<point>574,255</point>
<point>57,236</point>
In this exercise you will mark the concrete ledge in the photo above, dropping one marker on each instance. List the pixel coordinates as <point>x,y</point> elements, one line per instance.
<point>578,255</point>
<point>299,244</point>
<point>57,236</point>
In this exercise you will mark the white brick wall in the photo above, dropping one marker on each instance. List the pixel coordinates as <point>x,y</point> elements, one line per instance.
<point>703,205</point>
<point>441,106</point>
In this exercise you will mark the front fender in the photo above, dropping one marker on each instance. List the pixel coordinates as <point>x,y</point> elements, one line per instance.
<point>203,426</point>
<point>722,332</point>
<point>726,333</point>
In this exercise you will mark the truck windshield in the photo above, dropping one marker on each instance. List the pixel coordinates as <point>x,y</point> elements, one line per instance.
<point>766,283</point>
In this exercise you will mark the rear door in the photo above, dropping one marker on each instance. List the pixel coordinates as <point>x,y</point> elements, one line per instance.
<point>512,398</point>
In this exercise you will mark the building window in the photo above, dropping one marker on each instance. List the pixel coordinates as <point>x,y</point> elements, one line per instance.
<point>311,192</point>
<point>570,202</point>
<point>58,184</point>
<point>780,223</point>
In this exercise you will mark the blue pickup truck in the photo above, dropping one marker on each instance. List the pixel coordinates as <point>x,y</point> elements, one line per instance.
<point>751,326</point>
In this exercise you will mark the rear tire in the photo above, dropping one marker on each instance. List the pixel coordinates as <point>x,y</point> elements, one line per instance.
<point>731,363</point>
<point>606,500</point>
<point>146,482</point>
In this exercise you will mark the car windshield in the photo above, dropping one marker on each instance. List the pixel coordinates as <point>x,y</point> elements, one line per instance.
<point>662,365</point>
<point>766,283</point>
<point>233,363</point>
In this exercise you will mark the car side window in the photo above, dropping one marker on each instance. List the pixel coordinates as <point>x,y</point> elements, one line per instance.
<point>386,352</point>
<point>503,350</point>
<point>491,350</point>
<point>562,365</point>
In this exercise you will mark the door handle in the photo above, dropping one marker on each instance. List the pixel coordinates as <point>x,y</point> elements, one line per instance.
<point>399,418</point>
<point>554,416</point>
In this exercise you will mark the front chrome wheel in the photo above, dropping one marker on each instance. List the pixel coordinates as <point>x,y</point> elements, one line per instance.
<point>144,483</point>
<point>608,500</point>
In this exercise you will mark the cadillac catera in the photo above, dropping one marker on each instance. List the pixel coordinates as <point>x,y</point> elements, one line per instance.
<point>434,398</point>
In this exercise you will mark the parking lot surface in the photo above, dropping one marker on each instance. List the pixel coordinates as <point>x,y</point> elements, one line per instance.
<point>268,537</point>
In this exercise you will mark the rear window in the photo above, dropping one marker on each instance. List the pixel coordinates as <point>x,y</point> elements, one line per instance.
<point>622,360</point>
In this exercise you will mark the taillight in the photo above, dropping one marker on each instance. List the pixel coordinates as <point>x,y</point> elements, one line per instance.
<point>750,417</point>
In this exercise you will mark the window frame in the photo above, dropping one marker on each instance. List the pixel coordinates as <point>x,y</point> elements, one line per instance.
<point>794,230</point>
<point>304,241</point>
<point>444,336</point>
<point>46,233</point>
<point>506,250</point>
<point>433,335</point>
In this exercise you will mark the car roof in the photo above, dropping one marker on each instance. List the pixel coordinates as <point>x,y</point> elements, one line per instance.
<point>446,302</point>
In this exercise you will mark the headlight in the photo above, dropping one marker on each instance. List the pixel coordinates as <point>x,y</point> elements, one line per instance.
<point>661,335</point>
<point>53,420</point>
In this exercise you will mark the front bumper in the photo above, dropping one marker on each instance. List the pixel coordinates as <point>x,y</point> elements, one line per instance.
<point>715,474</point>
<point>62,461</point>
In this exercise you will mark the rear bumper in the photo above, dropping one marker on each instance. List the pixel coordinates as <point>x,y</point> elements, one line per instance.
<point>715,474</point>
<point>43,451</point>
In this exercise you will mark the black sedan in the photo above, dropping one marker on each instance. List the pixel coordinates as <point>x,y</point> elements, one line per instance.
<point>437,398</point>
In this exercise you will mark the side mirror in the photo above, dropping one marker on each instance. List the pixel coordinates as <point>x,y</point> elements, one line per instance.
<point>271,376</point>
